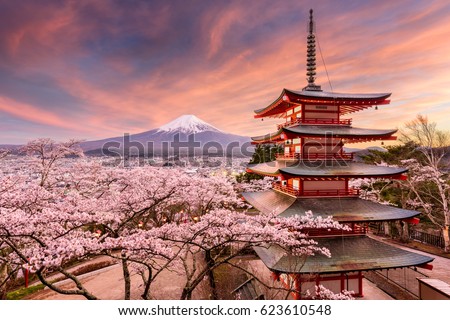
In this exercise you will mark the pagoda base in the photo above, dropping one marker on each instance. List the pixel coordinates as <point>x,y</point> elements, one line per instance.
<point>304,286</point>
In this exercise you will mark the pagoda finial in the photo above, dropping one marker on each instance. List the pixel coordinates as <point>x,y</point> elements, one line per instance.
<point>311,56</point>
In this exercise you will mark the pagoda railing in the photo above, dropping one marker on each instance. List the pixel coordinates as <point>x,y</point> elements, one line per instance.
<point>315,156</point>
<point>286,189</point>
<point>318,121</point>
<point>287,156</point>
<point>316,193</point>
<point>355,229</point>
<point>330,193</point>
<point>328,156</point>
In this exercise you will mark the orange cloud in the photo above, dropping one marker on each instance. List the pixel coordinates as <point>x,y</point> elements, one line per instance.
<point>236,58</point>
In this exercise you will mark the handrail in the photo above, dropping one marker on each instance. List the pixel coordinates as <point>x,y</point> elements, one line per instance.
<point>283,155</point>
<point>315,156</point>
<point>315,193</point>
<point>319,121</point>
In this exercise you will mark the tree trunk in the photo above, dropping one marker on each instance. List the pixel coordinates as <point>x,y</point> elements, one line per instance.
<point>403,232</point>
<point>3,277</point>
<point>126,278</point>
<point>387,229</point>
<point>186,294</point>
<point>212,281</point>
<point>446,235</point>
<point>80,291</point>
<point>148,282</point>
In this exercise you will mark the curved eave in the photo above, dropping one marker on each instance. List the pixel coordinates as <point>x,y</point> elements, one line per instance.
<point>271,137</point>
<point>274,109</point>
<point>349,102</point>
<point>340,169</point>
<point>341,209</point>
<point>356,253</point>
<point>262,173</point>
<point>266,168</point>
<point>269,201</point>
<point>349,210</point>
<point>337,132</point>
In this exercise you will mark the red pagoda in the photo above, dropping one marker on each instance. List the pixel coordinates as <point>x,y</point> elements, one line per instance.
<point>313,173</point>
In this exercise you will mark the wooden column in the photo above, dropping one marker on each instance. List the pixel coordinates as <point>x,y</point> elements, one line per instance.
<point>360,284</point>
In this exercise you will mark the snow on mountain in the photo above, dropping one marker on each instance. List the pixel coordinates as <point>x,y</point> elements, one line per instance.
<point>187,124</point>
<point>187,130</point>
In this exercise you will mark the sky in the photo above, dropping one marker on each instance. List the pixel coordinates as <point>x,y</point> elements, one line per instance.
<point>97,69</point>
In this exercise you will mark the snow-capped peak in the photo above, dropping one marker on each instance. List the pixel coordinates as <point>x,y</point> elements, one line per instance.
<point>187,124</point>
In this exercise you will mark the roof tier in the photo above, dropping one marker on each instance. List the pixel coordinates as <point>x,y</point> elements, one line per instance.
<point>348,102</point>
<point>354,253</point>
<point>350,134</point>
<point>339,169</point>
<point>341,209</point>
<point>268,168</point>
<point>328,169</point>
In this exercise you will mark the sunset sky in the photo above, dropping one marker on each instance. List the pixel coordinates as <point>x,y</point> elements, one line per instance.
<point>97,69</point>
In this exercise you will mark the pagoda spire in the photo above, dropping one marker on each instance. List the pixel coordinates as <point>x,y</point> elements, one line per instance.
<point>311,56</point>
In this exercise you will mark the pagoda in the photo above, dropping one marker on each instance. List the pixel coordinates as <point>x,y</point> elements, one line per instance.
<point>313,174</point>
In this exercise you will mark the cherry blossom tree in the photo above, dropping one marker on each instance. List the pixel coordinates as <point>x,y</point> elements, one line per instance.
<point>56,210</point>
<point>323,293</point>
<point>48,153</point>
<point>223,235</point>
<point>430,191</point>
<point>429,181</point>
<point>255,185</point>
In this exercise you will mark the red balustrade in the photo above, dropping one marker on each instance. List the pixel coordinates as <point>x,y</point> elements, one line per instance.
<point>287,156</point>
<point>315,156</point>
<point>316,193</point>
<point>328,156</point>
<point>286,189</point>
<point>315,121</point>
<point>356,229</point>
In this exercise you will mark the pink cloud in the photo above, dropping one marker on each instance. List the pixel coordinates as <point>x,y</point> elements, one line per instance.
<point>221,78</point>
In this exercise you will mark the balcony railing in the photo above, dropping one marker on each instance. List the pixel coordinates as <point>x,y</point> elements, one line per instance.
<point>330,193</point>
<point>315,156</point>
<point>315,121</point>
<point>356,229</point>
<point>328,156</point>
<point>287,156</point>
<point>316,193</point>
<point>286,189</point>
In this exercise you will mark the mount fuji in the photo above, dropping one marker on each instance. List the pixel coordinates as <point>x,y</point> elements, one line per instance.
<point>187,124</point>
<point>175,137</point>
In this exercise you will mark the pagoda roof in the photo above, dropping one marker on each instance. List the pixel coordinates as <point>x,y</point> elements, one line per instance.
<point>341,209</point>
<point>270,137</point>
<point>349,102</point>
<point>352,253</point>
<point>338,131</point>
<point>271,168</point>
<point>344,132</point>
<point>341,169</point>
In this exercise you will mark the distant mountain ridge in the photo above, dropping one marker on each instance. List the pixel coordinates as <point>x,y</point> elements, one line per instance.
<point>184,133</point>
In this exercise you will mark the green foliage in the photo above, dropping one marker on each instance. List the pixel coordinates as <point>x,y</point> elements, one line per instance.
<point>265,153</point>
<point>394,154</point>
<point>247,177</point>
<point>23,292</point>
